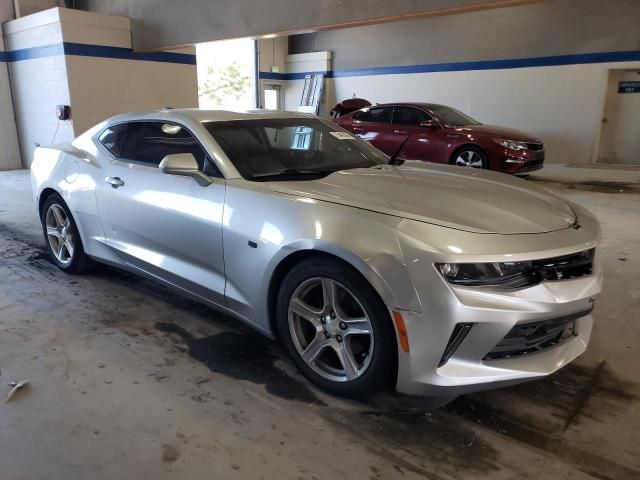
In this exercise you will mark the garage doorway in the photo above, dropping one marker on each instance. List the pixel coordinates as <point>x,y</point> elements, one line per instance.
<point>620,133</point>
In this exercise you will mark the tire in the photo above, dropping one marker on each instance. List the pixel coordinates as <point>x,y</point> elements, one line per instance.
<point>64,246</point>
<point>470,157</point>
<point>352,362</point>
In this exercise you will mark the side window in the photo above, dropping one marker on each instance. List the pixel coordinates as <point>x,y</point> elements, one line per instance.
<point>373,114</point>
<point>410,116</point>
<point>150,142</point>
<point>362,115</point>
<point>112,137</point>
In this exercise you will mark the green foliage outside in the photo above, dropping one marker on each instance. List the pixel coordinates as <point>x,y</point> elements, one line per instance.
<point>224,81</point>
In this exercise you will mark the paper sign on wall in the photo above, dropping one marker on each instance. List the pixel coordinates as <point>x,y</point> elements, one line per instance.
<point>628,87</point>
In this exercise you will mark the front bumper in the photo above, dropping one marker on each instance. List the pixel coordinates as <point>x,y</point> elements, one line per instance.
<point>493,313</point>
<point>523,161</point>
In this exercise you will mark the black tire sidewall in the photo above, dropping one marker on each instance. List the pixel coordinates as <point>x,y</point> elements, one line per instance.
<point>79,259</point>
<point>383,363</point>
<point>470,148</point>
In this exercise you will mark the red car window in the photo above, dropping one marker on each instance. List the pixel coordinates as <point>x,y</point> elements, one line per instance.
<point>377,115</point>
<point>409,116</point>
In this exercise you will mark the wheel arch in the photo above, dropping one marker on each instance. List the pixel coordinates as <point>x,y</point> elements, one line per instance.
<point>42,198</point>
<point>46,193</point>
<point>286,263</point>
<point>474,146</point>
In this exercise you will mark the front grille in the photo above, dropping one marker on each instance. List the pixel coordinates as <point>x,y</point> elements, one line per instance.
<point>533,165</point>
<point>535,336</point>
<point>566,267</point>
<point>535,146</point>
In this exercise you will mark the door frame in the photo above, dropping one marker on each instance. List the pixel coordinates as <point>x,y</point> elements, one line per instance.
<point>595,153</point>
<point>603,105</point>
<point>264,84</point>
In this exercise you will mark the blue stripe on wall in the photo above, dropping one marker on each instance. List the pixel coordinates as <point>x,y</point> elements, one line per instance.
<point>35,52</point>
<point>85,50</point>
<point>272,76</point>
<point>555,60</point>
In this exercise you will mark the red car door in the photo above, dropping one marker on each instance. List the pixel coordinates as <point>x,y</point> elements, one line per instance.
<point>427,143</point>
<point>374,124</point>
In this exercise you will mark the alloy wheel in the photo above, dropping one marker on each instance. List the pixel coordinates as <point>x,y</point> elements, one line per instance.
<point>59,234</point>
<point>330,329</point>
<point>469,158</point>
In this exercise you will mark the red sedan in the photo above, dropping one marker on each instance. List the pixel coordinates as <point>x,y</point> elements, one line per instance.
<point>441,134</point>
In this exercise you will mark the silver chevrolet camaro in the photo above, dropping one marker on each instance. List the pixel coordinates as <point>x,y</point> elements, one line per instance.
<point>436,280</point>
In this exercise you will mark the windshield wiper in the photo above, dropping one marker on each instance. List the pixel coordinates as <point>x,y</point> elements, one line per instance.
<point>293,172</point>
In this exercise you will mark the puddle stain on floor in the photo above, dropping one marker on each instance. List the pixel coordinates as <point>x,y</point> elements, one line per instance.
<point>605,187</point>
<point>243,357</point>
<point>449,442</point>
<point>594,185</point>
<point>567,395</point>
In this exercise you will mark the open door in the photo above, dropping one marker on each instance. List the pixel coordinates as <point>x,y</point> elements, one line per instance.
<point>620,133</point>
<point>271,95</point>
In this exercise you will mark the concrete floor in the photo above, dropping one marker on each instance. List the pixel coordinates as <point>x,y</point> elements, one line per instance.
<point>131,381</point>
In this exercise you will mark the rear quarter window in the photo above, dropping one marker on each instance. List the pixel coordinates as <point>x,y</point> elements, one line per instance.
<point>112,138</point>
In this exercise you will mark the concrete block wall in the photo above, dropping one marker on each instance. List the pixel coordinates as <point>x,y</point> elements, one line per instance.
<point>83,59</point>
<point>9,147</point>
<point>38,80</point>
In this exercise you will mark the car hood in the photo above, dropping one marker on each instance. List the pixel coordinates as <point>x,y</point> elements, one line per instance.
<point>464,199</point>
<point>500,132</point>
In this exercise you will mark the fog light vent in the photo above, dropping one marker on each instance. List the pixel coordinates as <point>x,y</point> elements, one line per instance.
<point>460,331</point>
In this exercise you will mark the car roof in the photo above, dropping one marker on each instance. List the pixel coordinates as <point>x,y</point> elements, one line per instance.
<point>201,115</point>
<point>427,106</point>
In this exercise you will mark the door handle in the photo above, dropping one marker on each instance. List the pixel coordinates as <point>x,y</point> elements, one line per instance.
<point>357,129</point>
<point>115,182</point>
<point>400,132</point>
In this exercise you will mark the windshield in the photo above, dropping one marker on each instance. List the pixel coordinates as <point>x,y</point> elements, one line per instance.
<point>291,148</point>
<point>451,116</point>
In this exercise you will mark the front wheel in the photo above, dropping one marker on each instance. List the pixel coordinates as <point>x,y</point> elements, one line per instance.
<point>336,328</point>
<point>470,157</point>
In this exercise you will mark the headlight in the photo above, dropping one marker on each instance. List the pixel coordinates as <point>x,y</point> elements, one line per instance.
<point>505,275</point>
<point>511,144</point>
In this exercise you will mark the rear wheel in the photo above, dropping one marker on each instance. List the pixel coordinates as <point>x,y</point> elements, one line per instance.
<point>61,236</point>
<point>336,328</point>
<point>471,157</point>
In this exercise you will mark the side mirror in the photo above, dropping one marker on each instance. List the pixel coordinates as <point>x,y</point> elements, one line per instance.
<point>186,165</point>
<point>430,124</point>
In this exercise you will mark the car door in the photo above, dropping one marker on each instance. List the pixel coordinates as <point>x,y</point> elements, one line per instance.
<point>373,124</point>
<point>165,225</point>
<point>428,143</point>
